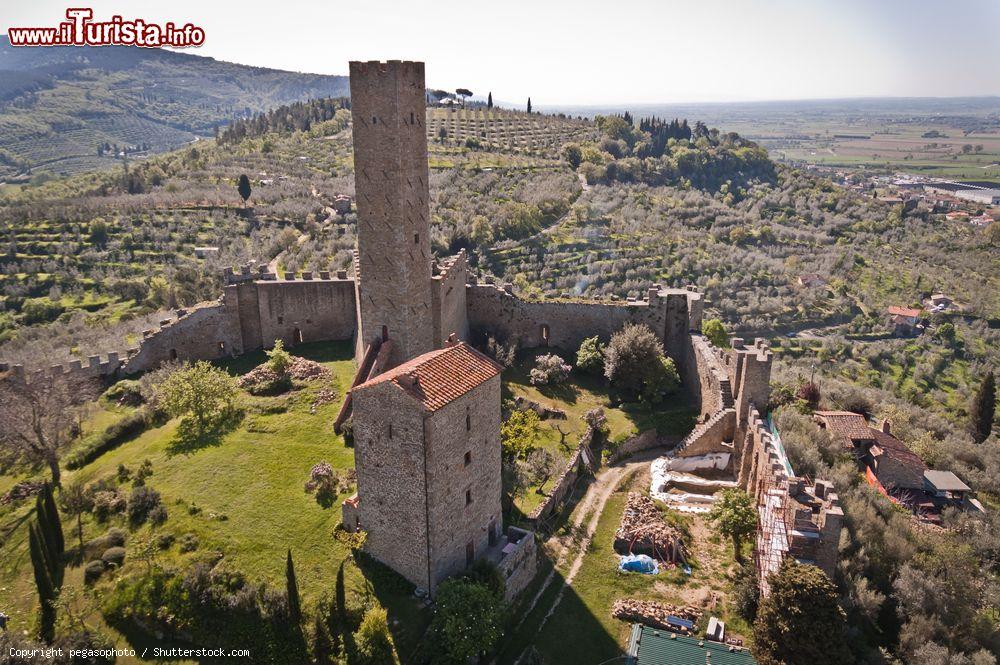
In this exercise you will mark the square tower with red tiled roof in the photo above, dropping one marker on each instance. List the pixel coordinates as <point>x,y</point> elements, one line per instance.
<point>427,452</point>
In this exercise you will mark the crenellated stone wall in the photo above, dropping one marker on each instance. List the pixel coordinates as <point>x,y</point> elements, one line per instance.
<point>498,311</point>
<point>448,298</point>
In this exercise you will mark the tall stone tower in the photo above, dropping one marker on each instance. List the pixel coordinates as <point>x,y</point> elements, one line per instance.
<point>394,290</point>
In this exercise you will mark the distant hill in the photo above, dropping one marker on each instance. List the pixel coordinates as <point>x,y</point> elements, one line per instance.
<point>58,106</point>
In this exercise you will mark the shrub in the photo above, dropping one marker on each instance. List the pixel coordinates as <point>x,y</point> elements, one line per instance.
<point>114,556</point>
<point>373,640</point>
<point>630,354</point>
<point>158,515</point>
<point>207,606</point>
<point>141,503</point>
<point>108,503</point>
<point>590,356</point>
<point>278,360</point>
<point>715,332</point>
<point>126,392</point>
<point>662,379</point>
<point>144,471</point>
<point>117,433</point>
<point>468,619</point>
<point>165,540</point>
<point>114,537</point>
<point>93,571</point>
<point>549,369</point>
<point>746,594</point>
<point>502,353</point>
<point>188,543</point>
<point>809,393</point>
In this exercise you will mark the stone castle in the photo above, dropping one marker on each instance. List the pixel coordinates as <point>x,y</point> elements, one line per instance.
<point>425,405</point>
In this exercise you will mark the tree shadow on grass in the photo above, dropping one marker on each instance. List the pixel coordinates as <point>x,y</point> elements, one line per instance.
<point>566,392</point>
<point>188,439</point>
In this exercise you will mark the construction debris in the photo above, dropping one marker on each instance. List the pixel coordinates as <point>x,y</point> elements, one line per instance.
<point>657,615</point>
<point>644,531</point>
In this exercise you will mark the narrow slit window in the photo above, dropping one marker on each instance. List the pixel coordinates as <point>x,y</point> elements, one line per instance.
<point>468,457</point>
<point>468,497</point>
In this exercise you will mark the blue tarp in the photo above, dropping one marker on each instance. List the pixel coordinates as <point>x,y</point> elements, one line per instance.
<point>638,563</point>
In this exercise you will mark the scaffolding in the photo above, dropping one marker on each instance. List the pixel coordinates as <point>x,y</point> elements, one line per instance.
<point>773,540</point>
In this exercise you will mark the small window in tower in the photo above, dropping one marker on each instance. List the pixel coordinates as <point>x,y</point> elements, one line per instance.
<point>416,238</point>
<point>468,420</point>
<point>390,430</point>
<point>281,320</point>
<point>374,120</point>
<point>468,457</point>
<point>412,119</point>
<point>468,497</point>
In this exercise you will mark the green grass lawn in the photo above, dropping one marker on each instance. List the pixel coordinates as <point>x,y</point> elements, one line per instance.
<point>242,497</point>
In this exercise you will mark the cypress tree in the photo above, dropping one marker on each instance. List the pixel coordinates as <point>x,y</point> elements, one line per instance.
<point>294,606</point>
<point>983,409</point>
<point>529,104</point>
<point>43,583</point>
<point>489,100</point>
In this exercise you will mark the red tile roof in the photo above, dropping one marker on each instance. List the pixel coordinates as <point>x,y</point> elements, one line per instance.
<point>439,377</point>
<point>904,311</point>
<point>896,449</point>
<point>846,424</point>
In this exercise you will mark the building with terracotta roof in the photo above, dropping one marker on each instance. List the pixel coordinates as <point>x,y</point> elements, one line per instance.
<point>851,429</point>
<point>427,452</point>
<point>893,463</point>
<point>903,320</point>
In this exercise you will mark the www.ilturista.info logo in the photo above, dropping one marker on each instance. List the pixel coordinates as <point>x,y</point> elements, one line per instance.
<point>82,30</point>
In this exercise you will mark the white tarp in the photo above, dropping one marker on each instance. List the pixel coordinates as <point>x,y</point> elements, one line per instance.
<point>669,472</point>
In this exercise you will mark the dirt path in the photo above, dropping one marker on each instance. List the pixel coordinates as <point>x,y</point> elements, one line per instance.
<point>592,506</point>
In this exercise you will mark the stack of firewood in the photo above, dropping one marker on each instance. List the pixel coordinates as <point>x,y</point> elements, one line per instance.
<point>644,531</point>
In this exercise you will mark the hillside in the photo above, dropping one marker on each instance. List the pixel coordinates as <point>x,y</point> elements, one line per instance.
<point>68,110</point>
<point>87,264</point>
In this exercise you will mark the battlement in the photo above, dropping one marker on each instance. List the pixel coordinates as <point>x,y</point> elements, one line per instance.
<point>95,367</point>
<point>452,265</point>
<point>246,274</point>
<point>376,68</point>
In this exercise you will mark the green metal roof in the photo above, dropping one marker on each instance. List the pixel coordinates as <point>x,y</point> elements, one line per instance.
<point>649,646</point>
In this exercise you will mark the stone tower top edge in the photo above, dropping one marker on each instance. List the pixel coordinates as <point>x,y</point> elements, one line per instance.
<point>358,67</point>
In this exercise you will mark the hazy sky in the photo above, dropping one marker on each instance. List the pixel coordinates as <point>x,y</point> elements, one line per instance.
<point>601,51</point>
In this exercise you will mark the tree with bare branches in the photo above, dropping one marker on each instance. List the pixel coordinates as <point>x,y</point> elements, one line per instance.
<point>37,418</point>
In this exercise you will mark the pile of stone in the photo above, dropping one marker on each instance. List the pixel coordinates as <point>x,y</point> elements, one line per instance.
<point>300,369</point>
<point>22,490</point>
<point>306,370</point>
<point>644,531</point>
<point>657,615</point>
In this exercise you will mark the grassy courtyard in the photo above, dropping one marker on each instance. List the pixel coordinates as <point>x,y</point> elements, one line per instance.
<point>242,498</point>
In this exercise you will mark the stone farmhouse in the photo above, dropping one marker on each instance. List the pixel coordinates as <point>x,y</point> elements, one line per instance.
<point>425,405</point>
<point>894,470</point>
